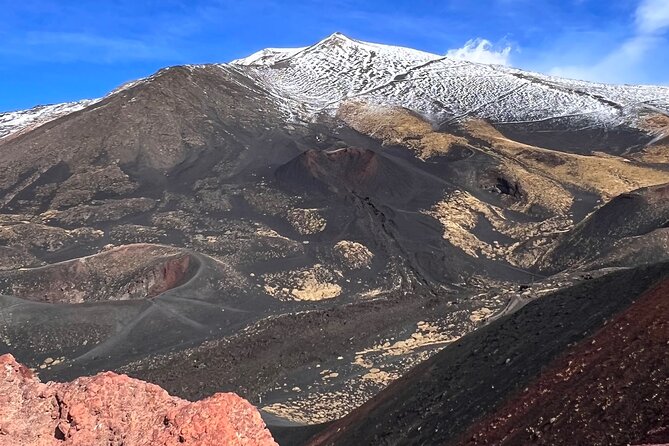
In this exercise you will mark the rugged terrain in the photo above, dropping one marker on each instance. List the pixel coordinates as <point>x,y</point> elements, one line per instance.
<point>114,409</point>
<point>574,367</point>
<point>304,226</point>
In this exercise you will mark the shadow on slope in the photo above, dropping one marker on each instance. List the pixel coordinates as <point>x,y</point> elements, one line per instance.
<point>638,214</point>
<point>611,388</point>
<point>439,399</point>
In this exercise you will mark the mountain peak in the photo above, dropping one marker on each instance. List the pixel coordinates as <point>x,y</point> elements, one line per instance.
<point>338,39</point>
<point>338,36</point>
<point>338,68</point>
<point>270,56</point>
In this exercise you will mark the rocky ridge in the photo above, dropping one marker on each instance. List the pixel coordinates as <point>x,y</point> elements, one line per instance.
<point>111,409</point>
<point>304,226</point>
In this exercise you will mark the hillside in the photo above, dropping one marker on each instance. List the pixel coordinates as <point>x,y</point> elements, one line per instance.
<point>305,226</point>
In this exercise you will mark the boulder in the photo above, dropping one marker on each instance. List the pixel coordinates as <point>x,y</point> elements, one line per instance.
<point>111,409</point>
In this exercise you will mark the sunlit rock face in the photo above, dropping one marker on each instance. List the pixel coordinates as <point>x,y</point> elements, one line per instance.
<point>115,409</point>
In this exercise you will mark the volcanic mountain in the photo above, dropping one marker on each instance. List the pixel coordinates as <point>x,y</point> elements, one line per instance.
<point>304,226</point>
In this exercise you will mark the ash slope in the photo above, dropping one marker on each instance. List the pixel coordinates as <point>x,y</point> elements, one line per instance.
<point>594,392</point>
<point>572,335</point>
<point>182,227</point>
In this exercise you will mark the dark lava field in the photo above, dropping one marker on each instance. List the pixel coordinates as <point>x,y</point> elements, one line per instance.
<point>365,274</point>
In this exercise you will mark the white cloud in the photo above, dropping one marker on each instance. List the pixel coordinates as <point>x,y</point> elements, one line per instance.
<point>621,65</point>
<point>482,51</point>
<point>629,59</point>
<point>652,16</point>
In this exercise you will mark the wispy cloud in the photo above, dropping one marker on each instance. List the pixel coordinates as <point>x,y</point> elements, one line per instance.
<point>76,46</point>
<point>482,51</point>
<point>44,31</point>
<point>628,60</point>
<point>652,16</point>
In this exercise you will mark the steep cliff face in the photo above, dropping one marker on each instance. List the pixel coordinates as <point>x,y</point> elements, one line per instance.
<point>111,409</point>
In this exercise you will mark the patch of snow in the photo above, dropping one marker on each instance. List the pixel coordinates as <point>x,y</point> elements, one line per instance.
<point>267,56</point>
<point>305,82</point>
<point>338,68</point>
<point>16,122</point>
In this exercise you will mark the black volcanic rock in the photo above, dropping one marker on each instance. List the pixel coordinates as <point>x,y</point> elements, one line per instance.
<point>155,128</point>
<point>440,399</point>
<point>594,392</point>
<point>631,217</point>
<point>362,172</point>
<point>304,230</point>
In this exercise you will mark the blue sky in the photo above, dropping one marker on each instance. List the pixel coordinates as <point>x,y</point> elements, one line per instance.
<point>62,50</point>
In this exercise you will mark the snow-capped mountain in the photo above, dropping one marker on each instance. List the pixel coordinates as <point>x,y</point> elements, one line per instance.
<point>307,81</point>
<point>198,215</point>
<point>268,56</point>
<point>340,68</point>
<point>22,120</point>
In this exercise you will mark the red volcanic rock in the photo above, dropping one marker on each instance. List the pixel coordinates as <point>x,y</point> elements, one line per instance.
<point>113,410</point>
<point>612,388</point>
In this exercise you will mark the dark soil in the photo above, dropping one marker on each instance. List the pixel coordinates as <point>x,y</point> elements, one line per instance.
<point>440,399</point>
<point>202,159</point>
<point>609,389</point>
<point>250,363</point>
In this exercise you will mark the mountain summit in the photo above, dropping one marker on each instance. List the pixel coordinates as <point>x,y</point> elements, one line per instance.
<point>442,88</point>
<point>319,77</point>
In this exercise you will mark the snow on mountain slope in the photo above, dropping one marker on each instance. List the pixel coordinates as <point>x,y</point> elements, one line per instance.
<point>324,74</point>
<point>268,56</point>
<point>307,81</point>
<point>23,120</point>
<point>339,68</point>
<point>19,121</point>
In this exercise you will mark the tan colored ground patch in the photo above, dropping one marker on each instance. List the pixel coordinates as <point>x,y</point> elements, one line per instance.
<point>380,361</point>
<point>380,376</point>
<point>329,374</point>
<point>353,254</point>
<point>606,175</point>
<point>426,334</point>
<point>271,233</point>
<point>537,189</point>
<point>481,314</point>
<point>376,292</point>
<point>655,122</point>
<point>655,154</point>
<point>315,408</point>
<point>306,221</point>
<point>398,126</point>
<point>460,212</point>
<point>312,284</point>
<point>50,362</point>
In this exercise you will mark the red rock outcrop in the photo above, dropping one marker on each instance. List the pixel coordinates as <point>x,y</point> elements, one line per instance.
<point>611,388</point>
<point>110,409</point>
